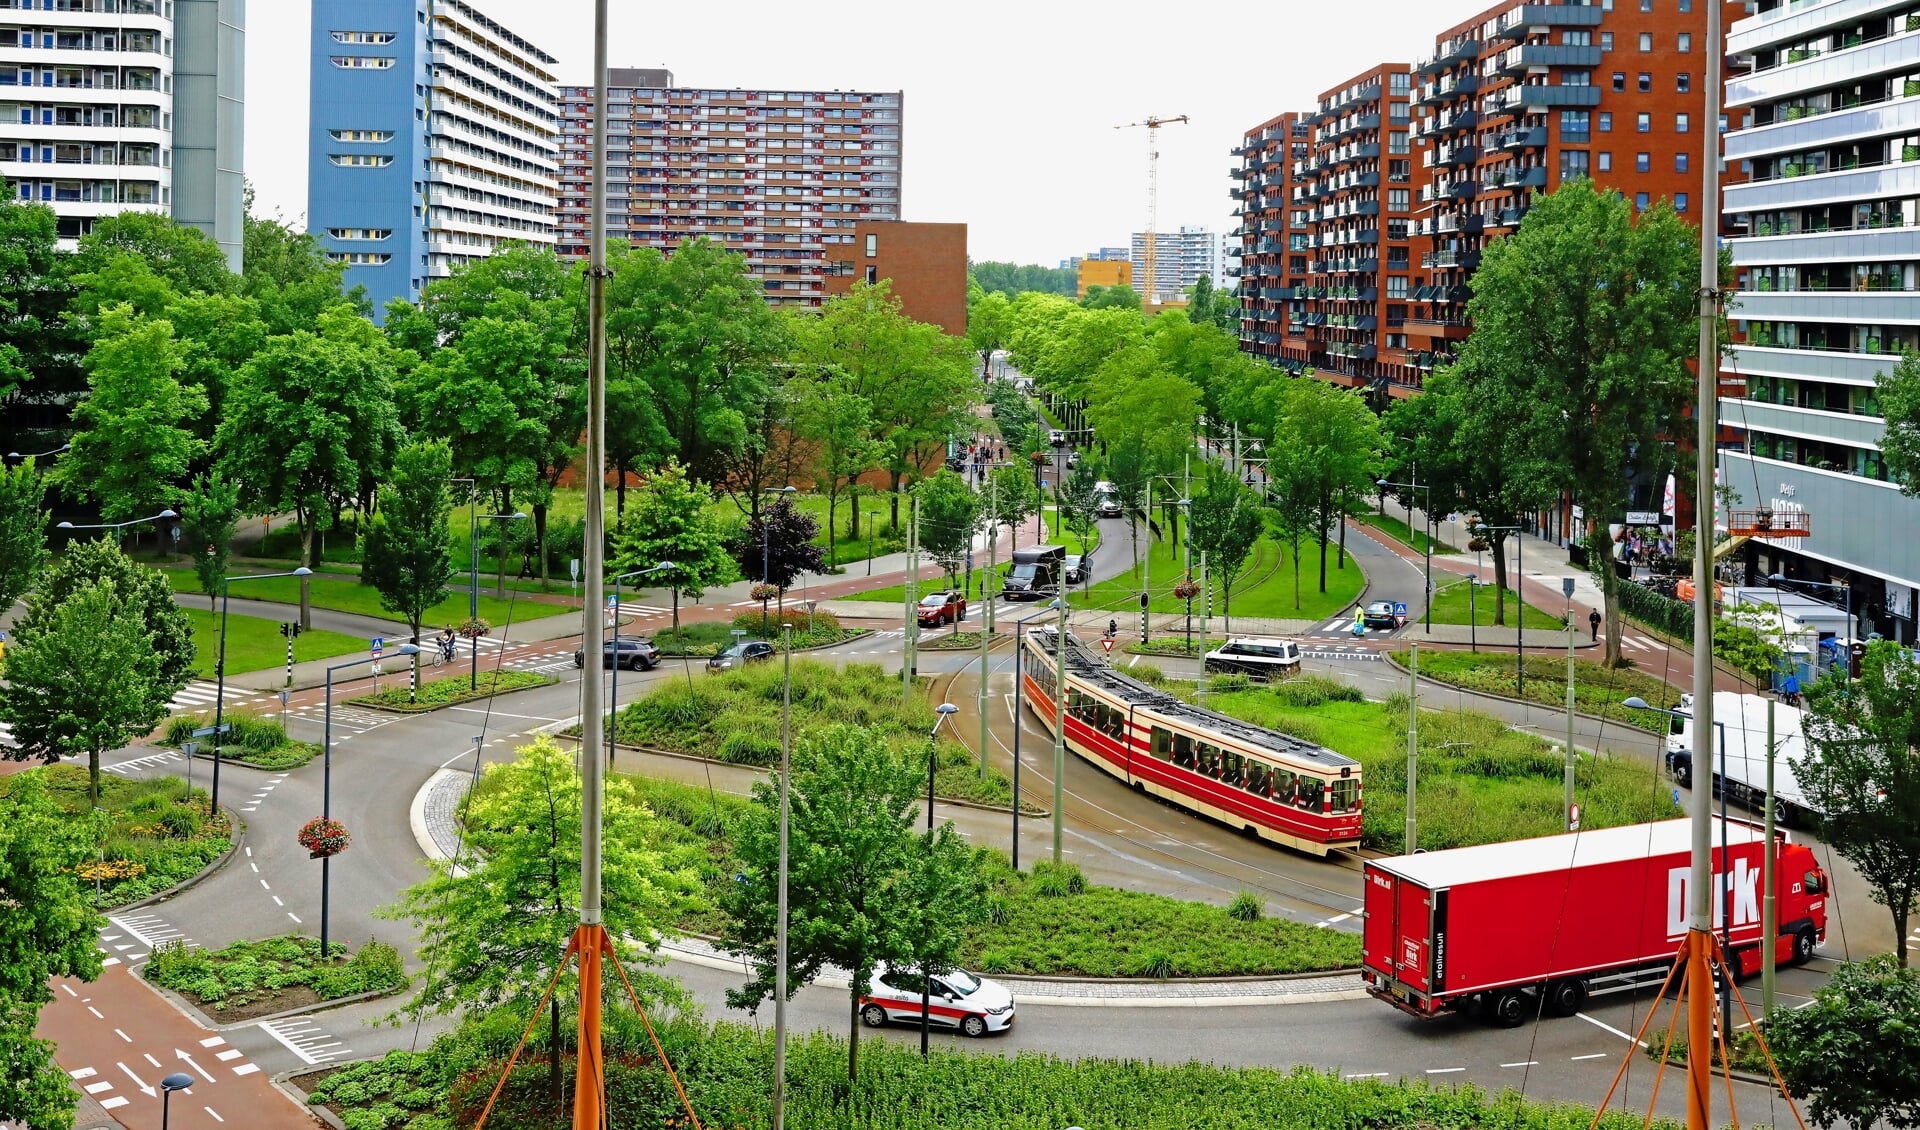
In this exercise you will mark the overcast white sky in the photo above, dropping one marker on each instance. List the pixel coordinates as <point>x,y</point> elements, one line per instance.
<point>1010,107</point>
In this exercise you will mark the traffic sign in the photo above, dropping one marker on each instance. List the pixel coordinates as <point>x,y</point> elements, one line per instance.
<point>613,601</point>
<point>1107,642</point>
<point>1573,822</point>
<point>573,564</point>
<point>379,645</point>
<point>208,731</point>
<point>1399,608</point>
<point>1566,587</point>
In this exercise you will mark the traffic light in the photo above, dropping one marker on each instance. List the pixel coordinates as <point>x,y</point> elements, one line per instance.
<point>291,630</point>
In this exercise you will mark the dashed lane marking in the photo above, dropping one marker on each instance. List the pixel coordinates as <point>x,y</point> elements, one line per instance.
<point>1595,1055</point>
<point>1523,1063</point>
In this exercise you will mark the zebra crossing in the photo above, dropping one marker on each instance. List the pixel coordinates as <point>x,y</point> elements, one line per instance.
<point>548,662</point>
<point>6,734</point>
<point>347,720</point>
<point>129,767</point>
<point>200,694</point>
<point>306,1039</point>
<point>143,932</point>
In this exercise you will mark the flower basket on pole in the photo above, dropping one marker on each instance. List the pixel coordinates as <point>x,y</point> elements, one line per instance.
<point>475,628</point>
<point>322,837</point>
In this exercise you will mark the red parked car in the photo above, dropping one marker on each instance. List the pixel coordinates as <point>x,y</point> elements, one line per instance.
<point>943,608</point>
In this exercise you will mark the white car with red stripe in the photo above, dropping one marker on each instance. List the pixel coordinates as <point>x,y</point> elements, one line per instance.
<point>957,999</point>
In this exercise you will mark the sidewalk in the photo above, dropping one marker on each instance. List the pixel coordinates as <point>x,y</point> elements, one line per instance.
<point>436,802</point>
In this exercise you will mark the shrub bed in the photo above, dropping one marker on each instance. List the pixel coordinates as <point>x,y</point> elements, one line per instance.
<point>810,629</point>
<point>451,691</point>
<point>735,716</point>
<point>1597,689</point>
<point>1495,784</point>
<point>255,740</point>
<point>703,639</point>
<point>249,979</point>
<point>724,1068</point>
<point>154,832</point>
<point>1175,645</point>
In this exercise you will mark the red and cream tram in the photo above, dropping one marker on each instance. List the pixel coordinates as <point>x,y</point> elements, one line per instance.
<point>1278,787</point>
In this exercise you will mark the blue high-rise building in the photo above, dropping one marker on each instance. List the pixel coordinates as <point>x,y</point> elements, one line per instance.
<point>432,140</point>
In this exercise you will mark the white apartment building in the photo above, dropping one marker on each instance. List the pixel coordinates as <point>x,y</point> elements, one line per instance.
<point>1826,113</point>
<point>1181,258</point>
<point>91,121</point>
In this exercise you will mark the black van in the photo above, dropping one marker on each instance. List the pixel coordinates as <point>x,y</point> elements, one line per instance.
<point>1035,573</point>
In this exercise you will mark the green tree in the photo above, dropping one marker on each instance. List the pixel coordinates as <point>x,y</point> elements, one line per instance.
<point>1010,498</point>
<point>1225,524</point>
<point>48,931</point>
<point>308,418</point>
<point>1862,771</point>
<point>287,273</point>
<point>408,559</point>
<point>180,254</point>
<point>1748,638</point>
<point>838,425</point>
<point>494,923</point>
<point>695,331</point>
<point>1899,393</point>
<point>1209,307</point>
<point>918,380</point>
<point>209,515</point>
<point>949,515</point>
<point>989,318</point>
<point>31,295</point>
<point>1586,320</point>
<point>1850,1051</point>
<point>1017,278</point>
<point>133,439</point>
<point>144,592</point>
<point>1111,298</point>
<point>23,530</point>
<point>1339,438</point>
<point>673,521</point>
<point>1079,505</point>
<point>1292,489</point>
<point>777,546</point>
<point>81,679</point>
<point>862,887</point>
<point>215,335</point>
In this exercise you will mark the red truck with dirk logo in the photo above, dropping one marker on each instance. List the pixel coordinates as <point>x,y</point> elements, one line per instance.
<point>1514,929</point>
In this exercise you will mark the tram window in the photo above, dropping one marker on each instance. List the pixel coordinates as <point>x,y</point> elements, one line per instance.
<point>1259,777</point>
<point>1346,795</point>
<point>1183,750</point>
<point>1310,793</point>
<point>1162,746</point>
<point>1231,767</point>
<point>1117,723</point>
<point>1210,759</point>
<point>1286,786</point>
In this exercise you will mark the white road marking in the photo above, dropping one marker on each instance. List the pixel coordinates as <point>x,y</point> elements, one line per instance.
<point>1366,1075</point>
<point>1595,1055</point>
<point>246,1069</point>
<point>150,1059</point>
<point>96,1088</point>
<point>112,1103</point>
<point>292,915</point>
<point>229,1054</point>
<point>213,1042</point>
<point>1609,1028</point>
<point>70,993</point>
<point>1523,1063</point>
<point>214,1113</point>
<point>1444,1070</point>
<point>123,1035</point>
<point>96,1013</point>
<point>84,1073</point>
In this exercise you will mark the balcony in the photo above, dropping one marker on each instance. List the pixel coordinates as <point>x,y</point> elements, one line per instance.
<point>1539,97</point>
<point>1535,138</point>
<point>1277,293</point>
<point>1460,50</point>
<point>1461,223</point>
<point>1443,329</point>
<point>1465,260</point>
<point>1450,155</point>
<point>1531,55</point>
<point>1451,123</point>
<point>1346,127</point>
<point>1517,23</point>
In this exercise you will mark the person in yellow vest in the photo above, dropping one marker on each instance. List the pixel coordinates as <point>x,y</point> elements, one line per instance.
<point>1359,622</point>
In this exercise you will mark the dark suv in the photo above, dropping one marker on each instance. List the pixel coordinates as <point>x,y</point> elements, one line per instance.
<point>636,653</point>
<point>741,653</point>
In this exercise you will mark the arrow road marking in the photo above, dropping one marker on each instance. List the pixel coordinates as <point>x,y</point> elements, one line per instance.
<point>144,1089</point>
<point>199,1070</point>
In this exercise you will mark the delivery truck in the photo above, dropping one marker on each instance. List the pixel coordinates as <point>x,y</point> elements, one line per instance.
<point>1743,719</point>
<point>1513,929</point>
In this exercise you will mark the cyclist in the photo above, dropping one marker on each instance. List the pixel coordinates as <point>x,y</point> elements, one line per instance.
<point>446,645</point>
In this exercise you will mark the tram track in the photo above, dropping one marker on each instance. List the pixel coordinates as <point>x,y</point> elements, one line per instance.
<point>1310,900</point>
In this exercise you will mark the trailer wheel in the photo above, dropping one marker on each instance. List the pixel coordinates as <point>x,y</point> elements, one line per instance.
<point>1509,1009</point>
<point>1564,998</point>
<point>1802,945</point>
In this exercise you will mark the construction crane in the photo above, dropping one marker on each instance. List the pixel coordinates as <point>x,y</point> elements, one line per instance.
<point>1152,125</point>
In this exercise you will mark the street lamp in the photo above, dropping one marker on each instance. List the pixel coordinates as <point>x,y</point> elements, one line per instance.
<point>1852,631</point>
<point>766,552</point>
<point>1520,602</point>
<point>220,671</point>
<point>1726,860</point>
<point>178,1081</point>
<point>613,708</point>
<point>1019,697</point>
<point>164,514</point>
<point>1426,509</point>
<point>780,925</point>
<point>326,783</point>
<point>946,710</point>
<point>1060,722</point>
<point>16,457</point>
<point>473,583</point>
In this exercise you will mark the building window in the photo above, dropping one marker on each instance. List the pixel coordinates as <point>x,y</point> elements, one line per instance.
<point>1397,142</point>
<point>1574,126</point>
<point>1400,82</point>
<point>1573,164</point>
<point>1577,38</point>
<point>370,135</point>
<point>1682,122</point>
<point>1686,5</point>
<point>1646,83</point>
<point>873,274</point>
<point>1646,41</point>
<point>373,38</point>
<point>362,62</point>
<point>1640,201</point>
<point>1620,81</point>
<point>1683,82</point>
<point>359,258</point>
<point>361,160</point>
<point>1606,41</point>
<point>1680,202</point>
<point>1681,162</point>
<point>1646,5</point>
<point>1603,162</point>
<point>1643,162</point>
<point>1686,42</point>
<point>374,234</point>
<point>1397,198</point>
<point>1606,121</point>
<point>1576,78</point>
<point>873,245</point>
<point>1643,122</point>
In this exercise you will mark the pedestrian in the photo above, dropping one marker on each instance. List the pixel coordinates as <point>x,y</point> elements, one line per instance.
<point>1593,621</point>
<point>1359,622</point>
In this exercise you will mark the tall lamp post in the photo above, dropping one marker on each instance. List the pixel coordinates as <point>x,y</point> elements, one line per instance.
<point>1519,600</point>
<point>1019,697</point>
<point>16,457</point>
<point>780,924</point>
<point>1426,508</point>
<point>946,711</point>
<point>326,783</point>
<point>1060,722</point>
<point>178,1081</point>
<point>1852,630</point>
<point>220,672</point>
<point>1726,861</point>
<point>613,695</point>
<point>473,583</point>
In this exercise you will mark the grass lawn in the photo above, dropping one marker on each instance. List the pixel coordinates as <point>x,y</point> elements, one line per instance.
<point>450,691</point>
<point>254,644</point>
<point>1396,529</point>
<point>1263,587</point>
<point>896,594</point>
<point>343,595</point>
<point>155,836</point>
<point>1596,688</point>
<point>1497,784</point>
<point>1455,602</point>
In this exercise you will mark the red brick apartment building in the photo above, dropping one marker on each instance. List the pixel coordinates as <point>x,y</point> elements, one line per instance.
<point>1384,196</point>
